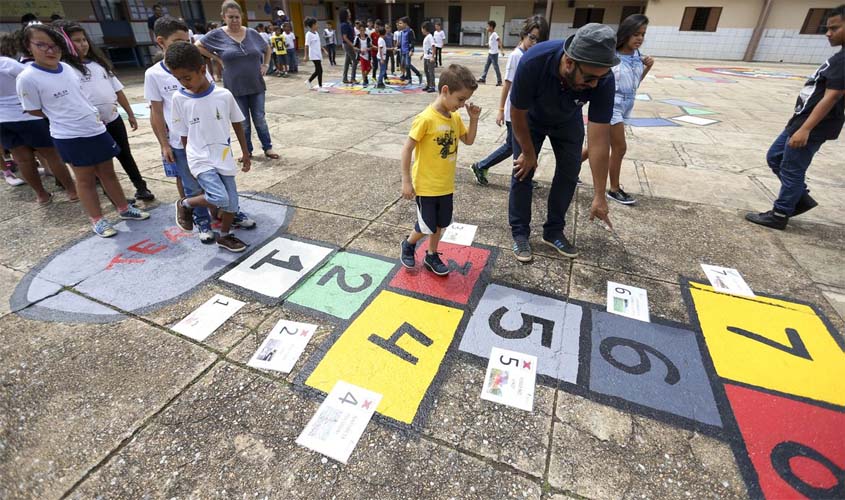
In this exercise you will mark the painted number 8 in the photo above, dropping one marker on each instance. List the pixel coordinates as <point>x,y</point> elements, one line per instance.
<point>673,375</point>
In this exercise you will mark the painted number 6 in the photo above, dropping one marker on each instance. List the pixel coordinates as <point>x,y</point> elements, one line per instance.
<point>673,375</point>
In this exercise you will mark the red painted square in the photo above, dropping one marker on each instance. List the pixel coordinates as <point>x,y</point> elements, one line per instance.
<point>797,449</point>
<point>466,266</point>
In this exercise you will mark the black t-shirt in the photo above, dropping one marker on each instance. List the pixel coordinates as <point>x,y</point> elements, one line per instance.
<point>830,75</point>
<point>151,21</point>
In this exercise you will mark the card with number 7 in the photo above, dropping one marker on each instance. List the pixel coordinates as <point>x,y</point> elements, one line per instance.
<point>510,379</point>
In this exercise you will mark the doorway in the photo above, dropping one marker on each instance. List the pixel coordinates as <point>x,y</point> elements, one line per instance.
<point>454,27</point>
<point>416,17</point>
<point>497,13</point>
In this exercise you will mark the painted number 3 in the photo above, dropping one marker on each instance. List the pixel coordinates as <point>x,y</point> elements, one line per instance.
<point>673,375</point>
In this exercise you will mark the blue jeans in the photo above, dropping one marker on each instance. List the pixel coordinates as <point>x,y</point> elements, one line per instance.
<point>253,104</point>
<point>293,64</point>
<point>190,185</point>
<point>492,59</point>
<point>382,74</point>
<point>790,166</point>
<point>505,151</point>
<point>567,141</point>
<point>406,62</point>
<point>220,190</point>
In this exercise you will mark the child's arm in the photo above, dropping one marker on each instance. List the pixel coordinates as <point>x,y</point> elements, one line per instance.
<point>160,129</point>
<point>407,186</point>
<point>648,62</point>
<point>474,112</point>
<point>503,99</point>
<point>239,132</point>
<point>802,135</point>
<point>184,142</point>
<point>124,103</point>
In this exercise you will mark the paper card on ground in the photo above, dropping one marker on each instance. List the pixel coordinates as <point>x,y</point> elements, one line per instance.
<point>695,120</point>
<point>727,280</point>
<point>283,346</point>
<point>340,421</point>
<point>628,301</point>
<point>208,317</point>
<point>459,234</point>
<point>510,379</point>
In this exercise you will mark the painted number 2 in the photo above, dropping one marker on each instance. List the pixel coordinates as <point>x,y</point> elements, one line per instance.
<point>366,280</point>
<point>673,375</point>
<point>528,321</point>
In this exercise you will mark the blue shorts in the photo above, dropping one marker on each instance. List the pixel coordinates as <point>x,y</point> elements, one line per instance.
<point>433,212</point>
<point>220,190</point>
<point>32,133</point>
<point>623,105</point>
<point>87,151</point>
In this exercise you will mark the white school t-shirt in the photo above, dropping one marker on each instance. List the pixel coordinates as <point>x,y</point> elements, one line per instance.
<point>329,36</point>
<point>159,86</point>
<point>510,74</point>
<point>493,43</point>
<point>100,89</point>
<point>290,38</point>
<point>265,36</point>
<point>428,43</point>
<point>439,38</point>
<point>58,94</point>
<point>382,49</point>
<point>312,41</point>
<point>10,105</point>
<point>206,120</point>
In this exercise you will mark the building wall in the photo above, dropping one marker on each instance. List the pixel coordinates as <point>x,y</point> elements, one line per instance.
<point>782,40</point>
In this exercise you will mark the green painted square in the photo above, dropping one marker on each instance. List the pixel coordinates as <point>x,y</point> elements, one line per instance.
<point>342,285</point>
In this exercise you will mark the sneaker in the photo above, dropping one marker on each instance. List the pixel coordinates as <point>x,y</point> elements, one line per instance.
<point>242,221</point>
<point>522,250</point>
<point>621,196</point>
<point>308,84</point>
<point>231,243</point>
<point>144,195</point>
<point>434,264</point>
<point>184,216</point>
<point>12,179</point>
<point>322,90</point>
<point>480,174</point>
<point>420,77</point>
<point>406,257</point>
<point>104,229</point>
<point>431,90</point>
<point>481,80</point>
<point>205,233</point>
<point>561,245</point>
<point>499,84</point>
<point>770,219</point>
<point>805,204</point>
<point>133,213</point>
<point>380,86</point>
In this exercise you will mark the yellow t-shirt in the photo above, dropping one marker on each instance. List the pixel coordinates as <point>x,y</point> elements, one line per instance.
<point>278,44</point>
<point>436,154</point>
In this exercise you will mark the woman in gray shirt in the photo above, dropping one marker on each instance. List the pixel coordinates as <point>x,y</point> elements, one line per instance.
<point>244,56</point>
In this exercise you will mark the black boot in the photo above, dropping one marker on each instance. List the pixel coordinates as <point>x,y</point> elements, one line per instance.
<point>770,219</point>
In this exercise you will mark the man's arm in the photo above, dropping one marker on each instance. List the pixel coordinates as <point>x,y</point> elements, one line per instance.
<point>527,160</point>
<point>802,135</point>
<point>407,185</point>
<point>598,135</point>
<point>160,129</point>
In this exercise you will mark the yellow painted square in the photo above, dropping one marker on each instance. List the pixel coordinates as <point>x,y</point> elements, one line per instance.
<point>742,359</point>
<point>355,359</point>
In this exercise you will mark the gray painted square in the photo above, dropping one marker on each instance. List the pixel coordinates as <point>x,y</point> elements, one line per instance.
<point>688,392</point>
<point>559,360</point>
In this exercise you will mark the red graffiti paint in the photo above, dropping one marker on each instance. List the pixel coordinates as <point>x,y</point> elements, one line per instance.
<point>118,259</point>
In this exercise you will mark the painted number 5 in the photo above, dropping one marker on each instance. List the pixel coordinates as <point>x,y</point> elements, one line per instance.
<point>524,330</point>
<point>673,375</point>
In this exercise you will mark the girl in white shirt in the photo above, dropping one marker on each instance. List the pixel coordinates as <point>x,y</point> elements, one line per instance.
<point>105,91</point>
<point>331,42</point>
<point>314,52</point>
<point>50,88</point>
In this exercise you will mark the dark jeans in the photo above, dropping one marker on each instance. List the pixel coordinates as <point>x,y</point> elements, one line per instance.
<point>790,166</point>
<point>351,60</point>
<point>117,130</point>
<point>382,74</point>
<point>332,48</point>
<point>293,64</point>
<point>392,58</point>
<point>253,104</point>
<point>375,66</point>
<point>438,56</point>
<point>504,152</point>
<point>567,142</point>
<point>492,59</point>
<point>409,66</point>
<point>428,66</point>
<point>318,72</point>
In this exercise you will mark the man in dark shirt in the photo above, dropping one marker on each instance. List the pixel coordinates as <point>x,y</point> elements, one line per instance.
<point>347,37</point>
<point>151,21</point>
<point>553,82</point>
<point>819,115</point>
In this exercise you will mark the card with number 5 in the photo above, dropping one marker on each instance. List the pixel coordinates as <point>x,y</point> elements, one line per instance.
<point>510,379</point>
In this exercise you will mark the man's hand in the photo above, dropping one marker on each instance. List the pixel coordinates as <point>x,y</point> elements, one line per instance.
<point>473,110</point>
<point>500,117</point>
<point>133,122</point>
<point>247,161</point>
<point>799,139</point>
<point>648,61</point>
<point>408,191</point>
<point>524,165</point>
<point>167,154</point>
<point>599,210</point>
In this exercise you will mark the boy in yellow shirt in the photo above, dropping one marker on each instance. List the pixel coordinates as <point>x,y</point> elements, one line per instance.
<point>277,41</point>
<point>433,140</point>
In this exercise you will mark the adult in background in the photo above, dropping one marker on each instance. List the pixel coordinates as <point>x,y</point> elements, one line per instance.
<point>553,82</point>
<point>244,57</point>
<point>347,37</point>
<point>151,21</point>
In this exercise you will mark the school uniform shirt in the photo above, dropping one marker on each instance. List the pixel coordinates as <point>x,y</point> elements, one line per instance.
<point>397,39</point>
<point>206,120</point>
<point>538,88</point>
<point>10,104</point>
<point>439,39</point>
<point>382,49</point>
<point>290,40</point>
<point>265,36</point>
<point>99,88</point>
<point>58,94</point>
<point>510,73</point>
<point>278,44</point>
<point>830,75</point>
<point>428,46</point>
<point>329,36</point>
<point>159,86</point>
<point>436,152</point>
<point>493,43</point>
<point>312,41</point>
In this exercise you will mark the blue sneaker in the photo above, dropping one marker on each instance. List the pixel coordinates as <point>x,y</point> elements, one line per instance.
<point>434,264</point>
<point>522,249</point>
<point>561,245</point>
<point>104,229</point>
<point>206,234</point>
<point>133,213</point>
<point>407,257</point>
<point>243,221</point>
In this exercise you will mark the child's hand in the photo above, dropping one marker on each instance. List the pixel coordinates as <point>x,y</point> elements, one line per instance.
<point>247,161</point>
<point>648,61</point>
<point>408,191</point>
<point>500,117</point>
<point>133,122</point>
<point>473,110</point>
<point>167,153</point>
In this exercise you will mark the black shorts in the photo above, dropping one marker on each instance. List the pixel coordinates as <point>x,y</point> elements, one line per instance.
<point>32,133</point>
<point>433,212</point>
<point>87,151</point>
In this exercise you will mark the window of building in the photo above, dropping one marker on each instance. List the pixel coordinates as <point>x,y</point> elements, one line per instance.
<point>630,10</point>
<point>815,22</point>
<point>586,16</point>
<point>701,18</point>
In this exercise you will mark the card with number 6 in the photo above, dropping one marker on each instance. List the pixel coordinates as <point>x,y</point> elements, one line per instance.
<point>510,379</point>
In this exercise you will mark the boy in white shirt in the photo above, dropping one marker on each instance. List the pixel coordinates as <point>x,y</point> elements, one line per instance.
<point>290,43</point>
<point>428,56</point>
<point>381,53</point>
<point>494,43</point>
<point>439,42</point>
<point>202,116</point>
<point>314,52</point>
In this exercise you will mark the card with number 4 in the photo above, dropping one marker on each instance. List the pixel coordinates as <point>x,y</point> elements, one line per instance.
<point>340,421</point>
<point>283,346</point>
<point>510,379</point>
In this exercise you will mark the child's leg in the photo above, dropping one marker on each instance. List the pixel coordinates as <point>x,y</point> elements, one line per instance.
<point>232,204</point>
<point>117,130</point>
<point>25,158</point>
<point>112,187</point>
<point>434,240</point>
<point>319,72</point>
<point>496,67</point>
<point>618,148</point>
<point>179,187</point>
<point>86,185</point>
<point>54,162</point>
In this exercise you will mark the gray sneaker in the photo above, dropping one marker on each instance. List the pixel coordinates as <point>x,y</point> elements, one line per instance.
<point>522,250</point>
<point>561,245</point>
<point>621,196</point>
<point>132,213</point>
<point>407,256</point>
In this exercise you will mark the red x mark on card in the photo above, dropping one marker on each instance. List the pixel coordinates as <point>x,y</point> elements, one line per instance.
<point>526,364</point>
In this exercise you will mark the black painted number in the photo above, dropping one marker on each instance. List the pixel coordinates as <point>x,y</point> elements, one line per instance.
<point>509,361</point>
<point>781,457</point>
<point>673,376</point>
<point>528,321</point>
<point>796,346</point>
<point>366,280</point>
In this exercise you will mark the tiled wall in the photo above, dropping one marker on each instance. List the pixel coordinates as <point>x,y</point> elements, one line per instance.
<point>724,43</point>
<point>784,45</point>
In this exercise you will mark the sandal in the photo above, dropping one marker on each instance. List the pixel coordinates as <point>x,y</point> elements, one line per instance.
<point>271,154</point>
<point>47,201</point>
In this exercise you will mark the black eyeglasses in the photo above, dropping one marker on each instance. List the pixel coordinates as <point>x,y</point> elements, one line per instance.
<point>533,37</point>
<point>592,78</point>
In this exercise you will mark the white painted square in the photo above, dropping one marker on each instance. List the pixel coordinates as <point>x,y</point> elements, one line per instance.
<point>628,301</point>
<point>340,421</point>
<point>727,280</point>
<point>208,317</point>
<point>459,234</point>
<point>510,379</point>
<point>283,346</point>
<point>695,120</point>
<point>281,270</point>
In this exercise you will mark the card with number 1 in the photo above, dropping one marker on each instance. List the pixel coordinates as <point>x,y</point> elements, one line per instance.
<point>510,379</point>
